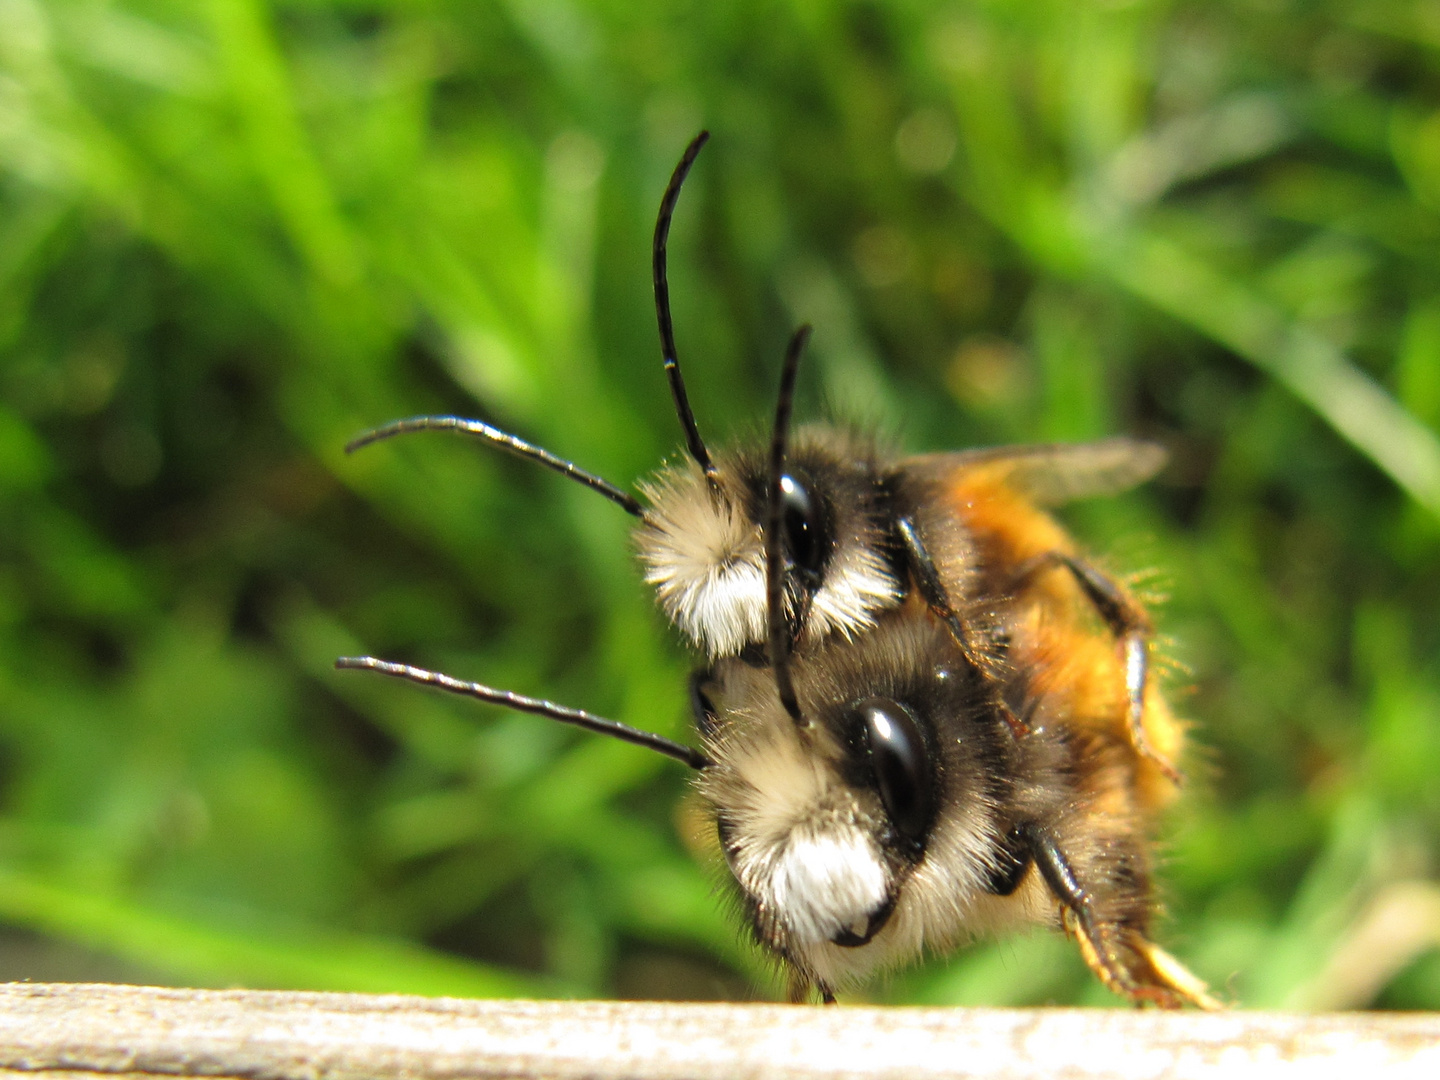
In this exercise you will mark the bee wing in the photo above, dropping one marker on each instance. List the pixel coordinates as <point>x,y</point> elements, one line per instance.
<point>1051,473</point>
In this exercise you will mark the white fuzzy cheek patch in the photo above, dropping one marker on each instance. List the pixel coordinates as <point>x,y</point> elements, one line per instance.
<point>723,611</point>
<point>722,605</point>
<point>824,884</point>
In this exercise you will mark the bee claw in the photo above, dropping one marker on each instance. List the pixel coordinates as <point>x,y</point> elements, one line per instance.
<point>1156,978</point>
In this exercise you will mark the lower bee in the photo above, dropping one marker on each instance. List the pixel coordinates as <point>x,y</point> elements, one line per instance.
<point>902,815</point>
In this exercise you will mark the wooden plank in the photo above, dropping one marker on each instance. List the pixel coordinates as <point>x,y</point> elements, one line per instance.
<point>86,1031</point>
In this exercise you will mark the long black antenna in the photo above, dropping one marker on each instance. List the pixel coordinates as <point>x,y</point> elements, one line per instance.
<point>774,538</point>
<point>505,441</point>
<point>693,442</point>
<point>590,722</point>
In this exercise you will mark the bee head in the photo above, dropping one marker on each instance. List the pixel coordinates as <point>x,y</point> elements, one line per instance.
<point>702,542</point>
<point>867,832</point>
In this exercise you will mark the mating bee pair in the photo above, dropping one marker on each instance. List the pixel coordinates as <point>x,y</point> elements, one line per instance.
<point>914,728</point>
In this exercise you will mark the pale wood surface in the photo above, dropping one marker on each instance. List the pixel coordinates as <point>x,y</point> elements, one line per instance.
<point>68,1032</point>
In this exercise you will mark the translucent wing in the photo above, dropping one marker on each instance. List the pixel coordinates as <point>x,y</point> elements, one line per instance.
<point>1051,473</point>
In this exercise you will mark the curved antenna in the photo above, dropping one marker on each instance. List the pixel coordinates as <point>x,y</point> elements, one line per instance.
<point>590,722</point>
<point>507,442</point>
<point>693,442</point>
<point>774,540</point>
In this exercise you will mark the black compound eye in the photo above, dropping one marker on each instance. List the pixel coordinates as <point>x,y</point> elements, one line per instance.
<point>901,763</point>
<point>802,520</point>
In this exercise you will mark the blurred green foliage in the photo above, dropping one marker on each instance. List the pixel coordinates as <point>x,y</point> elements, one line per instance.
<point>234,234</point>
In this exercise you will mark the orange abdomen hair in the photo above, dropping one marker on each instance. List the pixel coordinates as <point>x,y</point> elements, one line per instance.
<point>1071,659</point>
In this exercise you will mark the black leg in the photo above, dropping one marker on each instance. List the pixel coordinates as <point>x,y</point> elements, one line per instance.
<point>798,988</point>
<point>932,589</point>
<point>1056,870</point>
<point>1113,946</point>
<point>1014,860</point>
<point>1096,946</point>
<point>1130,625</point>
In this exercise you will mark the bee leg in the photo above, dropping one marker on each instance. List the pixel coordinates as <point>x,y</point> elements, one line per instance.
<point>1011,864</point>
<point>1167,983</point>
<point>1099,955</point>
<point>1175,975</point>
<point>1129,623</point>
<point>932,589</point>
<point>800,987</point>
<point>1078,914</point>
<point>1120,955</point>
<point>798,991</point>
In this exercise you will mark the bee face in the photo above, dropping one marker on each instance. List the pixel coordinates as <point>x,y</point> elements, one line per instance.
<point>857,839</point>
<point>702,544</point>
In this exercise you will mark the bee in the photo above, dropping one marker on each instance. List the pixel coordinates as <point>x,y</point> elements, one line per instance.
<point>923,714</point>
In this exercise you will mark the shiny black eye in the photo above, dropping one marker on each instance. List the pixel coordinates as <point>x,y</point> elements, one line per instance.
<point>802,520</point>
<point>901,763</point>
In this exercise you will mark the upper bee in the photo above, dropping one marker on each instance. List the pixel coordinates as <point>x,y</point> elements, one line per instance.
<point>851,526</point>
<point>765,550</point>
<point>702,542</point>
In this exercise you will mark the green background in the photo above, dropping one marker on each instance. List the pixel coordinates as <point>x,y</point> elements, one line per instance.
<point>234,234</point>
